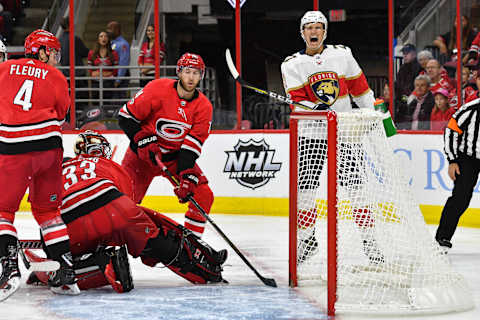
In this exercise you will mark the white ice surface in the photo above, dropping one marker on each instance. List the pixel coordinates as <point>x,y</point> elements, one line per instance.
<point>160,294</point>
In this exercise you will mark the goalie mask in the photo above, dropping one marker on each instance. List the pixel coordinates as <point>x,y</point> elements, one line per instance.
<point>3,52</point>
<point>92,143</point>
<point>314,17</point>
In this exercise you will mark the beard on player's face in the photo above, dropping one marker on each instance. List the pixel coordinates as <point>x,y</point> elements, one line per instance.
<point>184,87</point>
<point>189,78</point>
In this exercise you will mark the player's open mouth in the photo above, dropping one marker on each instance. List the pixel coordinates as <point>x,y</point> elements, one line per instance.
<point>313,39</point>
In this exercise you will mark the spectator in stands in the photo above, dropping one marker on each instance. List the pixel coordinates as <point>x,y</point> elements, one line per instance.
<point>103,55</point>
<point>415,115</point>
<point>81,52</point>
<point>147,55</point>
<point>437,79</point>
<point>385,93</point>
<point>423,57</point>
<point>469,88</point>
<point>121,46</point>
<point>448,41</point>
<point>441,112</point>
<point>407,73</point>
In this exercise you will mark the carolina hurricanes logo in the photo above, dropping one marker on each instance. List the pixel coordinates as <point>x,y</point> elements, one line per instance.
<point>172,130</point>
<point>325,86</point>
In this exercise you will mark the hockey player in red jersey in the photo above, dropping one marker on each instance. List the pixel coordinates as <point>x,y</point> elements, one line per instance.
<point>326,77</point>
<point>99,213</point>
<point>34,101</point>
<point>171,118</point>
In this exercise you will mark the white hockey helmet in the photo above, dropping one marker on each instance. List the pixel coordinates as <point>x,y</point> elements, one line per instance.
<point>3,49</point>
<point>314,17</point>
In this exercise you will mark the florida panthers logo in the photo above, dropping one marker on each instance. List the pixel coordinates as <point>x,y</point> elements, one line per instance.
<point>325,86</point>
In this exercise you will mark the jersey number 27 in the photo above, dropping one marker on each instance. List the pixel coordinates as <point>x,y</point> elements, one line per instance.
<point>24,95</point>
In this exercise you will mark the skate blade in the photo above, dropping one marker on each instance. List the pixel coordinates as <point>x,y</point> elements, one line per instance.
<point>12,286</point>
<point>68,289</point>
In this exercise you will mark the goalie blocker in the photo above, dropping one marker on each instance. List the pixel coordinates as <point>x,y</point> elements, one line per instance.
<point>174,246</point>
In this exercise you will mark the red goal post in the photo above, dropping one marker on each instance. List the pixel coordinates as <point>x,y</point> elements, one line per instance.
<point>331,118</point>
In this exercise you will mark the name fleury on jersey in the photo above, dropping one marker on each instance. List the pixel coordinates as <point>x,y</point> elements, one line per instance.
<point>28,71</point>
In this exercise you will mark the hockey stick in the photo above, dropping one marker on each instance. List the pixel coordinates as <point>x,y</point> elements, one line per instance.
<point>243,83</point>
<point>267,281</point>
<point>48,265</point>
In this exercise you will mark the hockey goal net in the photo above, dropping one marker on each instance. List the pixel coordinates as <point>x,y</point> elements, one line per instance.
<point>358,241</point>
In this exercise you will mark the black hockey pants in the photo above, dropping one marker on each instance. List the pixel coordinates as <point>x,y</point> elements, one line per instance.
<point>458,202</point>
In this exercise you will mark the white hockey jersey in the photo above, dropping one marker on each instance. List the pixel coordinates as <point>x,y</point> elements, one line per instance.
<point>328,79</point>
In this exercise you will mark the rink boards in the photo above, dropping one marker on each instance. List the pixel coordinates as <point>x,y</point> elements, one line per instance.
<point>248,173</point>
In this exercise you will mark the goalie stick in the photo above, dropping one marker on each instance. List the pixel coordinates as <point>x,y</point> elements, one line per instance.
<point>243,83</point>
<point>48,265</point>
<point>267,281</point>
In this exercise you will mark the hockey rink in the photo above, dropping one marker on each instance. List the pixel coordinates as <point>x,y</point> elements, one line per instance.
<point>160,294</point>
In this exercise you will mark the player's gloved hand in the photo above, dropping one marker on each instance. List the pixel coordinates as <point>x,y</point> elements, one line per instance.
<point>188,183</point>
<point>147,146</point>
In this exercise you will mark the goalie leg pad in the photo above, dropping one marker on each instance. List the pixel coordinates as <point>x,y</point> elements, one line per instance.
<point>122,282</point>
<point>185,254</point>
<point>106,266</point>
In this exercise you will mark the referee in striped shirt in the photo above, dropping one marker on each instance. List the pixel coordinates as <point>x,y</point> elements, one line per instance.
<point>462,148</point>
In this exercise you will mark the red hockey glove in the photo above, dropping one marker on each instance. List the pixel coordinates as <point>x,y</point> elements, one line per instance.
<point>188,183</point>
<point>147,146</point>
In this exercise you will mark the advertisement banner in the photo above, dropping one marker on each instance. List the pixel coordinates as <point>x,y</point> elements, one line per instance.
<point>249,172</point>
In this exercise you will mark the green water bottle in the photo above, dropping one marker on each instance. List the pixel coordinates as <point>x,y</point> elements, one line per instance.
<point>388,125</point>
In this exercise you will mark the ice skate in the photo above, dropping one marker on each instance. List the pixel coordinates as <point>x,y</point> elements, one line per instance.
<point>10,274</point>
<point>371,250</point>
<point>445,245</point>
<point>63,280</point>
<point>307,248</point>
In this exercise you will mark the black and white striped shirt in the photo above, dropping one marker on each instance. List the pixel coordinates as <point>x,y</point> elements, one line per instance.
<point>461,134</point>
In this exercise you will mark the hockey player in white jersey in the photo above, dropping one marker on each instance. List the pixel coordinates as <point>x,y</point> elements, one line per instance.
<point>325,77</point>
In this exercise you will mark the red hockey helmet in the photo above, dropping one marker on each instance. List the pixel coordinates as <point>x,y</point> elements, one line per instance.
<point>42,38</point>
<point>92,143</point>
<point>191,60</point>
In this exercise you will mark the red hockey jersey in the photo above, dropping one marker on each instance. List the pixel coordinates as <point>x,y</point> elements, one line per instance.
<point>178,123</point>
<point>147,55</point>
<point>34,101</point>
<point>91,182</point>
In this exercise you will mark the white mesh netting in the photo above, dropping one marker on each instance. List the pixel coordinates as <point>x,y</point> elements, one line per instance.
<point>388,262</point>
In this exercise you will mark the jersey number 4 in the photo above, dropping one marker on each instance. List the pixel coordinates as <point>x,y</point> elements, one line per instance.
<point>24,95</point>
